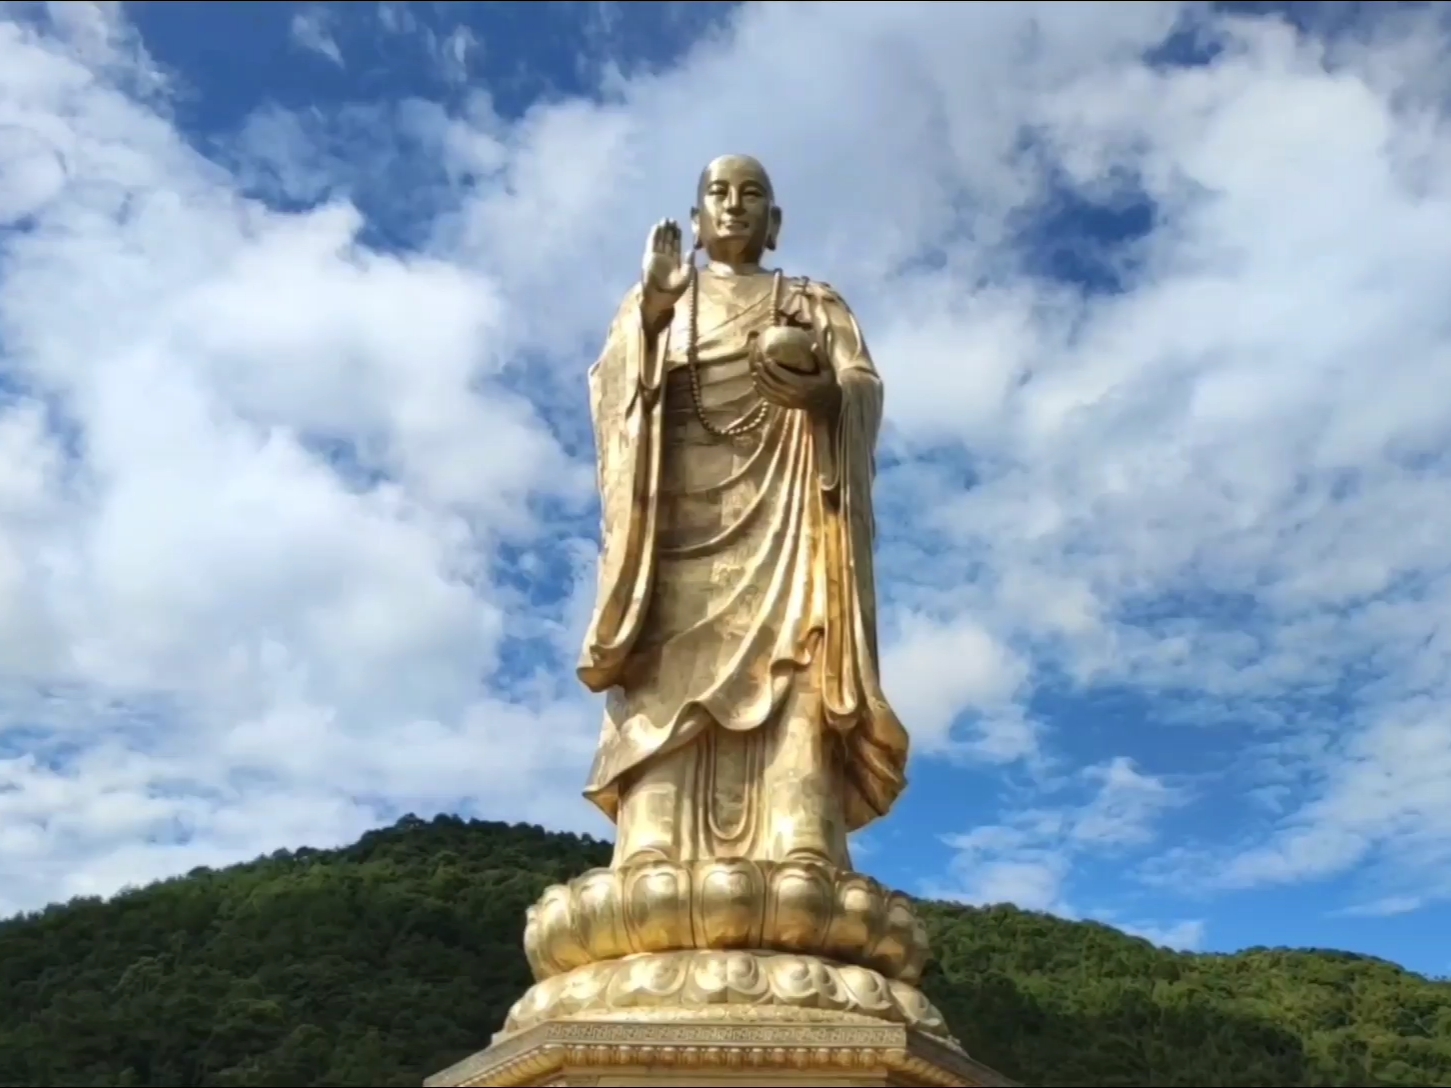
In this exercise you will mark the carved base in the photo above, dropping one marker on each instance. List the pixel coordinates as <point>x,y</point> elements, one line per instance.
<point>856,1052</point>
<point>721,903</point>
<point>707,985</point>
<point>723,972</point>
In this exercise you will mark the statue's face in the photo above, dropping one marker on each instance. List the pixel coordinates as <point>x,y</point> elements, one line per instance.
<point>736,219</point>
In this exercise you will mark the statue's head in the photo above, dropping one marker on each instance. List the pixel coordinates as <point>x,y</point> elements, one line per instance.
<point>735,215</point>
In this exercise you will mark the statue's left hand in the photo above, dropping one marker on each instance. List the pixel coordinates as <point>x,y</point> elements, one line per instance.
<point>789,369</point>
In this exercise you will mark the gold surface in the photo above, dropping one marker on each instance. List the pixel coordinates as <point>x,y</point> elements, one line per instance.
<point>726,903</point>
<point>741,985</point>
<point>609,1051</point>
<point>736,414</point>
<point>745,732</point>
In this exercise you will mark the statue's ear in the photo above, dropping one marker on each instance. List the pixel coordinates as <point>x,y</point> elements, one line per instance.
<point>695,242</point>
<point>773,232</point>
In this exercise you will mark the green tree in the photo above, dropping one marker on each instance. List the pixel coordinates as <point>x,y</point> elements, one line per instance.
<point>385,961</point>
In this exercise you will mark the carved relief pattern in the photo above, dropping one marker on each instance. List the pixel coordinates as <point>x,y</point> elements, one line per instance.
<point>748,984</point>
<point>572,1051</point>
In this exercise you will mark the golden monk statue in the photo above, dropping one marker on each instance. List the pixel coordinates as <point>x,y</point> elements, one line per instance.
<point>746,734</point>
<point>736,414</point>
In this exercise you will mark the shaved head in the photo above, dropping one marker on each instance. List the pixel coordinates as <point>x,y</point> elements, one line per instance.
<point>735,165</point>
<point>735,217</point>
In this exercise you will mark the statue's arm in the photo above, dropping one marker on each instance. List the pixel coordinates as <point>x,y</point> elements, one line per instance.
<point>842,342</point>
<point>613,387</point>
<point>627,464</point>
<point>628,323</point>
<point>845,349</point>
<point>849,451</point>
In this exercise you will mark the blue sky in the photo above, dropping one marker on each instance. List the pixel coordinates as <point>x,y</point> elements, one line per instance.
<point>296,518</point>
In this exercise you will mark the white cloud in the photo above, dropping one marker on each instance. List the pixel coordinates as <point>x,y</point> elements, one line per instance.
<point>1028,859</point>
<point>1226,483</point>
<point>1186,936</point>
<point>457,52</point>
<point>312,30</point>
<point>1383,801</point>
<point>940,671</point>
<point>1386,907</point>
<point>227,636</point>
<point>450,56</point>
<point>1123,811</point>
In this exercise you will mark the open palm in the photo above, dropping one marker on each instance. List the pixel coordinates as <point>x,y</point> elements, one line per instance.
<point>663,273</point>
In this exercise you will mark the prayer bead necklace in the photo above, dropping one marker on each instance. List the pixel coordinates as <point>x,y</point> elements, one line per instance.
<point>757,414</point>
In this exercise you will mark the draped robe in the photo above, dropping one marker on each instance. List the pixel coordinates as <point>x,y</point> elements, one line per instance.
<point>735,625</point>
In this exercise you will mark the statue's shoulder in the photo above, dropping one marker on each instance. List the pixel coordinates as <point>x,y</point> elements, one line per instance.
<point>818,290</point>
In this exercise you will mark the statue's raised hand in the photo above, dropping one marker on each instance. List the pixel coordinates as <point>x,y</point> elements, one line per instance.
<point>664,276</point>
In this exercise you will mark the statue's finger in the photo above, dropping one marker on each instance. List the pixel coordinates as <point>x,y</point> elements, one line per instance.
<point>777,394</point>
<point>773,381</point>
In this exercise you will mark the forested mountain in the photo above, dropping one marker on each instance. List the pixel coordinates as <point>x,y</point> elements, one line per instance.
<point>388,960</point>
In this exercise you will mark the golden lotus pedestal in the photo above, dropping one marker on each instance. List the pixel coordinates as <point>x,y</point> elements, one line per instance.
<point>723,973</point>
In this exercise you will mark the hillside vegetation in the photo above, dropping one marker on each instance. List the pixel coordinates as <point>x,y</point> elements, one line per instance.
<point>388,960</point>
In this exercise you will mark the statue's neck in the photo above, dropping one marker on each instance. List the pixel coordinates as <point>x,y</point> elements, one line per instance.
<point>734,268</point>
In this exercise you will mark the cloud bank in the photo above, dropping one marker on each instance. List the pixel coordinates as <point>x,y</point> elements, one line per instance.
<point>295,517</point>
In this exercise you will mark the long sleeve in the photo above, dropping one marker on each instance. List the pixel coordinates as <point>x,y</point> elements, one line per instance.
<point>625,408</point>
<point>847,458</point>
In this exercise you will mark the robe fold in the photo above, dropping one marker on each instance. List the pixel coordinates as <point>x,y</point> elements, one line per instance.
<point>735,624</point>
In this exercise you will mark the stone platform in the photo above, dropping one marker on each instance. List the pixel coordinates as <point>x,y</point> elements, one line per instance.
<point>730,1051</point>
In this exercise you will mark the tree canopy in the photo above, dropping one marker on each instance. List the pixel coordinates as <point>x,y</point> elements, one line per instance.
<point>385,961</point>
